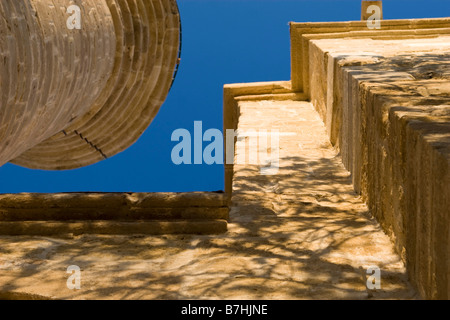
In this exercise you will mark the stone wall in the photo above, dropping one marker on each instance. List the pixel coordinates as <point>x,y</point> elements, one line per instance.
<point>113,213</point>
<point>385,99</point>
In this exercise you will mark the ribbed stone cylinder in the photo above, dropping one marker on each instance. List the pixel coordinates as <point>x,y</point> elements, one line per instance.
<point>72,97</point>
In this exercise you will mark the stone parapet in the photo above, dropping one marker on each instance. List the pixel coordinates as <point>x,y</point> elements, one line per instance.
<point>385,99</point>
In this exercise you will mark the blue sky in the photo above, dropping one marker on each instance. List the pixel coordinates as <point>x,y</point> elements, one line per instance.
<point>224,41</point>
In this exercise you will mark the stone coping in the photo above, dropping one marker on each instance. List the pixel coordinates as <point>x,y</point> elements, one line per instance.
<point>301,33</point>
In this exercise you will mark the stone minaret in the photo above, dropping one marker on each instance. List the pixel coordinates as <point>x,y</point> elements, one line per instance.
<point>80,81</point>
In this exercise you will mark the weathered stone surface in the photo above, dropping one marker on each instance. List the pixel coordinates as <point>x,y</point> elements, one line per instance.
<point>144,227</point>
<point>112,200</point>
<point>301,234</point>
<point>302,33</point>
<point>113,213</point>
<point>71,98</point>
<point>385,99</point>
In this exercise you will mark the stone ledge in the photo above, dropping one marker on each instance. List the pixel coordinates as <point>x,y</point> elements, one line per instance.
<point>113,213</point>
<point>301,33</point>
<point>75,228</point>
<point>113,200</point>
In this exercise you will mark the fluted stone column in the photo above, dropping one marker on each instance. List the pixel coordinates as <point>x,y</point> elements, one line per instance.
<point>72,97</point>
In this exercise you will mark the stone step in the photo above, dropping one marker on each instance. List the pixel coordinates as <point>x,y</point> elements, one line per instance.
<point>53,228</point>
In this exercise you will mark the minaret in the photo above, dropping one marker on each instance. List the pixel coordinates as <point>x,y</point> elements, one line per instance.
<point>81,81</point>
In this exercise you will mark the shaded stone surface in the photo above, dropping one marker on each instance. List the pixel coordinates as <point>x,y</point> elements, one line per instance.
<point>302,236</point>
